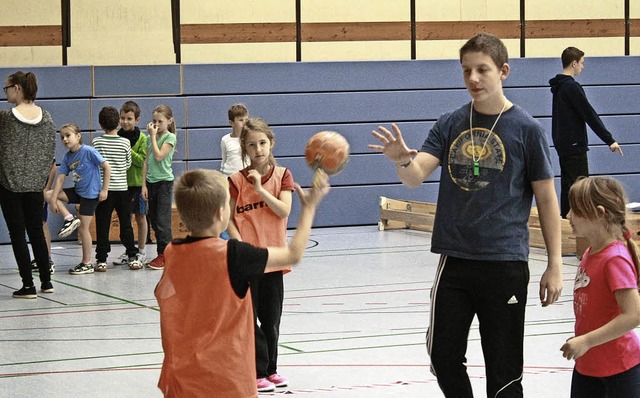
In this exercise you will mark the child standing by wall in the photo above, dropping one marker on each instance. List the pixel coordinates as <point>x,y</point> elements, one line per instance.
<point>157,178</point>
<point>232,160</point>
<point>605,296</point>
<point>217,328</point>
<point>84,164</point>
<point>129,118</point>
<point>261,203</point>
<point>117,151</point>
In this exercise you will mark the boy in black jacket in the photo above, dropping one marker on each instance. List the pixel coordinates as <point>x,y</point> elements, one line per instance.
<point>571,112</point>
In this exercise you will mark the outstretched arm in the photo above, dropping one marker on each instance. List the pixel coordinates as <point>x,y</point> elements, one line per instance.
<point>413,167</point>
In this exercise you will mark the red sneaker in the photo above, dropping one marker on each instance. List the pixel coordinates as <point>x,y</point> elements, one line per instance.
<point>265,385</point>
<point>157,263</point>
<point>279,381</point>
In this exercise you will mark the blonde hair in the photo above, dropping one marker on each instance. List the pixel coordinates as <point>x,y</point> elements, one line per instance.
<point>168,113</point>
<point>74,128</point>
<point>588,193</point>
<point>260,126</point>
<point>199,194</point>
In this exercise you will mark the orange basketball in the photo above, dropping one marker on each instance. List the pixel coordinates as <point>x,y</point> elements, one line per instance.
<point>327,150</point>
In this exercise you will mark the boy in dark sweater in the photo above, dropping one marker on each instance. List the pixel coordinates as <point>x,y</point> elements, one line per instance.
<point>571,112</point>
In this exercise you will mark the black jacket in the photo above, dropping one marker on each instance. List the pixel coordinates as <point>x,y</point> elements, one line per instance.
<point>571,110</point>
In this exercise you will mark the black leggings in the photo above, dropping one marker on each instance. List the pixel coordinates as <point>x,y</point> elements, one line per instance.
<point>23,212</point>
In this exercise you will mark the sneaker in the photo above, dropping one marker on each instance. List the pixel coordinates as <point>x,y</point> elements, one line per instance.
<point>46,287</point>
<point>52,267</point>
<point>82,268</point>
<point>122,260</point>
<point>101,266</point>
<point>265,385</point>
<point>157,263</point>
<point>26,293</point>
<point>68,227</point>
<point>277,380</point>
<point>135,262</point>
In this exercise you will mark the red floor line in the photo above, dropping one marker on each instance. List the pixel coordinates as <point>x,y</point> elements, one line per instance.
<point>72,312</point>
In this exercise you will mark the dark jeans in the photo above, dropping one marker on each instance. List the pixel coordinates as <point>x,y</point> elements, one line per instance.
<point>495,291</point>
<point>160,211</point>
<point>622,385</point>
<point>120,201</point>
<point>571,168</point>
<point>267,294</point>
<point>23,212</point>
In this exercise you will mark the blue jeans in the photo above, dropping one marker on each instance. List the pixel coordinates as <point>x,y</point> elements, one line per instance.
<point>622,385</point>
<point>160,211</point>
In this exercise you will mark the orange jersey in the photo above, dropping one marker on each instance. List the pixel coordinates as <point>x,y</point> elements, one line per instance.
<point>207,330</point>
<point>256,222</point>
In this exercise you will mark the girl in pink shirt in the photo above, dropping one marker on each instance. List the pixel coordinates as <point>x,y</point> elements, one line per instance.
<point>605,296</point>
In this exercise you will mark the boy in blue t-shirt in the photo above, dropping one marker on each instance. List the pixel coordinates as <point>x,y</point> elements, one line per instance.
<point>83,163</point>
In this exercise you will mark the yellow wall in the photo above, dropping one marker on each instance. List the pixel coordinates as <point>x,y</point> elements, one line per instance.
<point>238,11</point>
<point>106,32</point>
<point>18,13</point>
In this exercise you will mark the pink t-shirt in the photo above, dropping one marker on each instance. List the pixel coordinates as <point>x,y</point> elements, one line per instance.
<point>594,303</point>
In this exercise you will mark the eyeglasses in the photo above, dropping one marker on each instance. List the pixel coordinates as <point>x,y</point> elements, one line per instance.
<point>7,87</point>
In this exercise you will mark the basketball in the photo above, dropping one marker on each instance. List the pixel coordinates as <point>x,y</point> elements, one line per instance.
<point>327,150</point>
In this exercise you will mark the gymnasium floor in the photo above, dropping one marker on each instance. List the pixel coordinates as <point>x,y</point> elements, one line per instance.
<point>356,312</point>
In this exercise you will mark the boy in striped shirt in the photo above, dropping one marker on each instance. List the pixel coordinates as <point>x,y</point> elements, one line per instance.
<point>117,151</point>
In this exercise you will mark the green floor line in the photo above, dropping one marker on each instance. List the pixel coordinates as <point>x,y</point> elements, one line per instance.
<point>110,296</point>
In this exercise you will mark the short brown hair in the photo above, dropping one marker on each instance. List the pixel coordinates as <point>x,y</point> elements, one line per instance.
<point>237,110</point>
<point>571,54</point>
<point>488,44</point>
<point>109,118</point>
<point>199,194</point>
<point>131,106</point>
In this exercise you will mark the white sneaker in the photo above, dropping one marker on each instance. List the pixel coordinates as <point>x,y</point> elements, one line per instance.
<point>122,260</point>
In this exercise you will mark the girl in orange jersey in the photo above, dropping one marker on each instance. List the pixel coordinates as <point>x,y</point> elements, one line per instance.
<point>260,204</point>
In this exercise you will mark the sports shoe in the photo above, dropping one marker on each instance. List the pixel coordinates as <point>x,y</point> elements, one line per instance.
<point>136,262</point>
<point>52,267</point>
<point>279,381</point>
<point>265,385</point>
<point>82,268</point>
<point>68,227</point>
<point>101,266</point>
<point>122,260</point>
<point>157,263</point>
<point>26,293</point>
<point>46,287</point>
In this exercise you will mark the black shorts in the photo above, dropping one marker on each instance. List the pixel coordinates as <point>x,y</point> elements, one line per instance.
<point>138,204</point>
<point>87,206</point>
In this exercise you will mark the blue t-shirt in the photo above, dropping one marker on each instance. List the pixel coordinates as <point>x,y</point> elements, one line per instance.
<point>485,217</point>
<point>84,167</point>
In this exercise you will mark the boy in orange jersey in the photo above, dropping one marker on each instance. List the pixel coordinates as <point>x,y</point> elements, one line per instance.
<point>206,315</point>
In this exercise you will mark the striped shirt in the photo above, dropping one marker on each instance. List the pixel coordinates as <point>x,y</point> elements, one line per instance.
<point>117,151</point>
